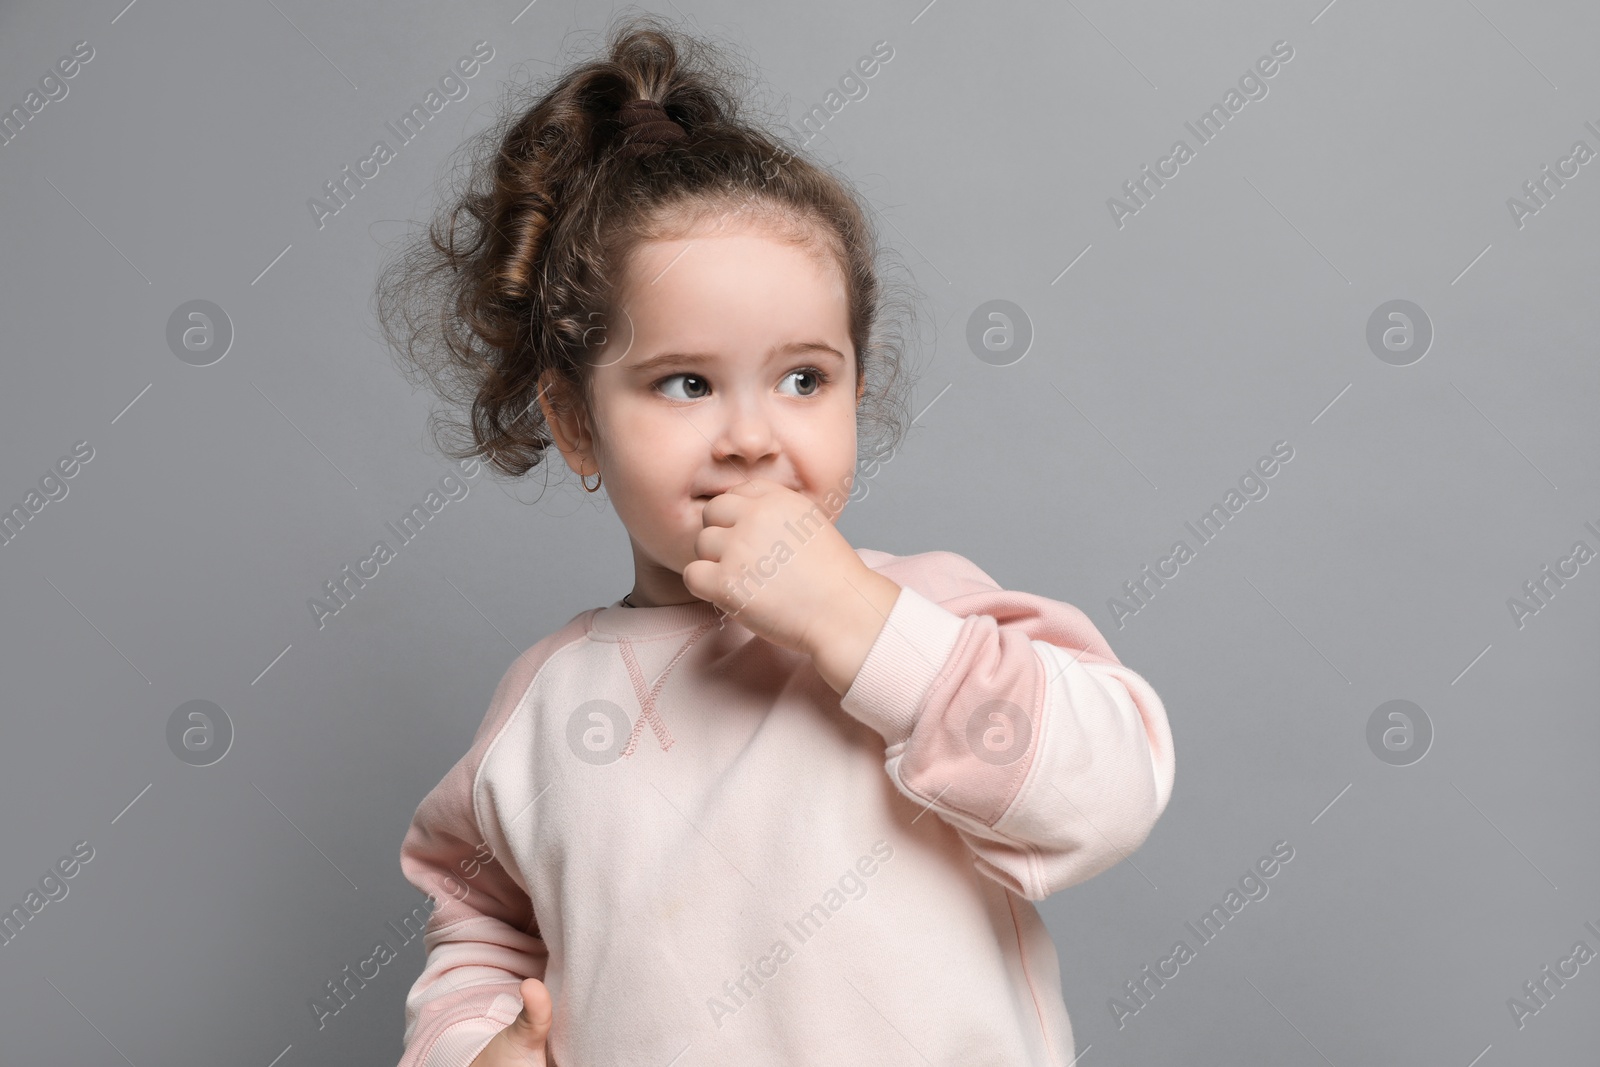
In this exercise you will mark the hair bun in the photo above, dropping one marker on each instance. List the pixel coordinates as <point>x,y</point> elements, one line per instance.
<point>646,124</point>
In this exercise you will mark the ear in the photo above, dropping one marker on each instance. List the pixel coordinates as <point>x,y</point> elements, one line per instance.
<point>567,425</point>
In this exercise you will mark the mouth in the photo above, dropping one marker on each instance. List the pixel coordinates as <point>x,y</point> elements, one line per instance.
<point>708,496</point>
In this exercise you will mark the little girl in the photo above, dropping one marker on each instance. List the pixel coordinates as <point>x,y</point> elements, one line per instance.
<point>787,801</point>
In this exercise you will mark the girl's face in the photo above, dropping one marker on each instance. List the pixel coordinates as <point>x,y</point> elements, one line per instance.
<point>738,364</point>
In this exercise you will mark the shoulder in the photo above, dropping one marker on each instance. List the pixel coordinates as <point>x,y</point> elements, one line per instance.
<point>939,575</point>
<point>451,807</point>
<point>520,676</point>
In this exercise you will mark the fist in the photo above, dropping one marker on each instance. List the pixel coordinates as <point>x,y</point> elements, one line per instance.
<point>771,557</point>
<point>522,1043</point>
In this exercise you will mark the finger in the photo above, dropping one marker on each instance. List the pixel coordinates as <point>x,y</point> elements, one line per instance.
<point>529,1029</point>
<point>700,577</point>
<point>709,543</point>
<point>723,510</point>
<point>754,486</point>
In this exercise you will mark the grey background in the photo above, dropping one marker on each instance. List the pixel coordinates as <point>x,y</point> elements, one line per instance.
<point>1229,314</point>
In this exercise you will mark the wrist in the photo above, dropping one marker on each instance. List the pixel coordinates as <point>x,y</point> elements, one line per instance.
<point>844,634</point>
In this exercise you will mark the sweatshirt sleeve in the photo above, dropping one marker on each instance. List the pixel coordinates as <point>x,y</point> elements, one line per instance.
<point>1008,716</point>
<point>481,938</point>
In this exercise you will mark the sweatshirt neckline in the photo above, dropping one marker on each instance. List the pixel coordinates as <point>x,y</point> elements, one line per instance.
<point>618,618</point>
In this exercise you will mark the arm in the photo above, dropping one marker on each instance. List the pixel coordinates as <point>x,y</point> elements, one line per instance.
<point>478,940</point>
<point>482,939</point>
<point>1008,715</point>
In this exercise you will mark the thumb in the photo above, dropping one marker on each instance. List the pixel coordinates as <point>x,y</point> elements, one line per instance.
<point>529,1029</point>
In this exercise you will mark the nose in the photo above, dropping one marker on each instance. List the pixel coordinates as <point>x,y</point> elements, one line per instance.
<point>743,431</point>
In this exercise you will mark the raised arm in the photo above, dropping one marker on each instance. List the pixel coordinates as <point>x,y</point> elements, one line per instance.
<point>1008,715</point>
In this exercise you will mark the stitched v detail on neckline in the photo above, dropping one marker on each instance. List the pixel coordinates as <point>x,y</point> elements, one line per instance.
<point>647,699</point>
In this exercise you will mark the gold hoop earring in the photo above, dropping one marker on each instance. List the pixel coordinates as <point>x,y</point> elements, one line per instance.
<point>584,478</point>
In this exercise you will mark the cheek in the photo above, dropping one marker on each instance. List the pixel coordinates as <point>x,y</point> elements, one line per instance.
<point>828,455</point>
<point>842,432</point>
<point>653,468</point>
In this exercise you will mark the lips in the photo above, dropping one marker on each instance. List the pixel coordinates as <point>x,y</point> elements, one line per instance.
<point>708,494</point>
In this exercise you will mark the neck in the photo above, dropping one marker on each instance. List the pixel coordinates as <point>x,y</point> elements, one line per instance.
<point>639,600</point>
<point>655,585</point>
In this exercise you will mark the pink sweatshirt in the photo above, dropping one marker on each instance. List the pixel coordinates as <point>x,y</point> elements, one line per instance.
<point>709,857</point>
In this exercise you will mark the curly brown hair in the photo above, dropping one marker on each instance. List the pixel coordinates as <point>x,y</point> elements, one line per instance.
<point>517,272</point>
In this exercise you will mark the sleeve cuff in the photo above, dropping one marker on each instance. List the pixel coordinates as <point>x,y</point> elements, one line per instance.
<point>910,652</point>
<point>461,1041</point>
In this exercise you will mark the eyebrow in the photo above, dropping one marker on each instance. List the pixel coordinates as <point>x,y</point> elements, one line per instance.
<point>698,359</point>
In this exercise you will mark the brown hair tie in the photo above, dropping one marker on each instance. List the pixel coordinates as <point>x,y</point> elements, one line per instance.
<point>646,124</point>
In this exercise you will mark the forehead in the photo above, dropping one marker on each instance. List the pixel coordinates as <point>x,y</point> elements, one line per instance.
<point>733,283</point>
<point>744,230</point>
